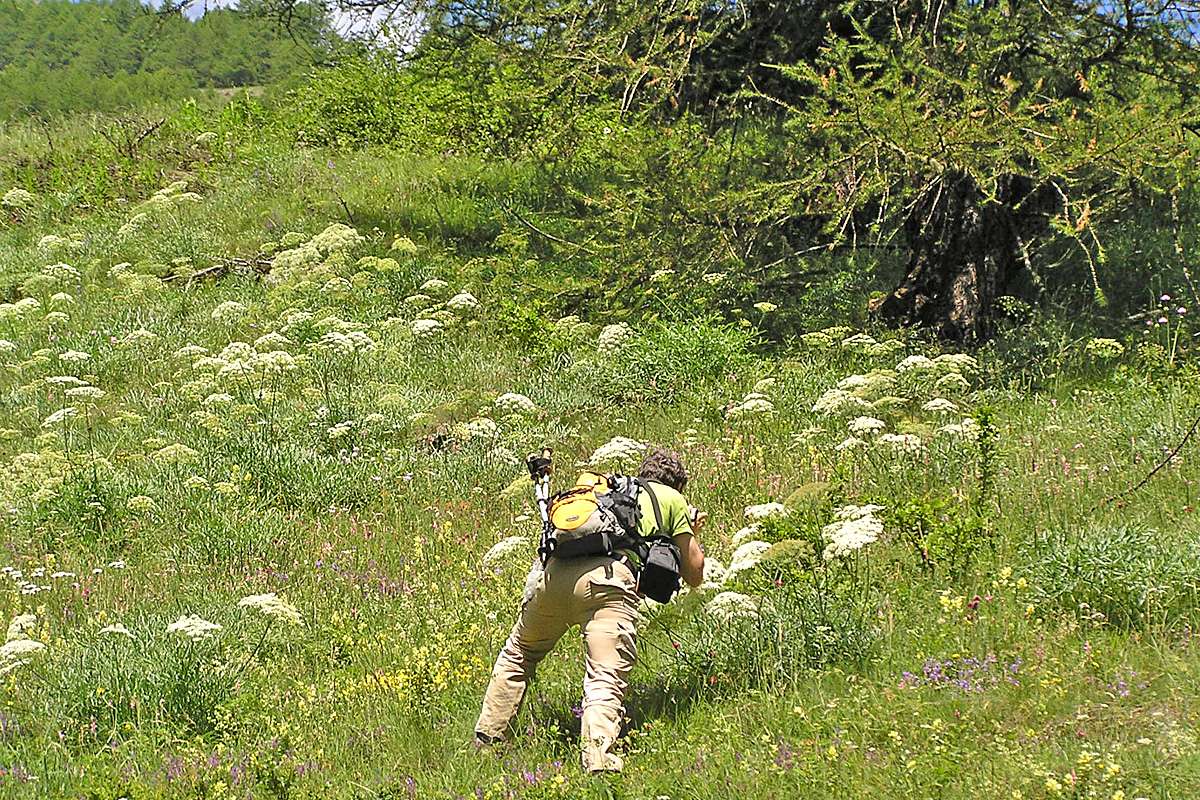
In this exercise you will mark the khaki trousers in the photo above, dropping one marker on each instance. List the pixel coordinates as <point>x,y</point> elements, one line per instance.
<point>597,594</point>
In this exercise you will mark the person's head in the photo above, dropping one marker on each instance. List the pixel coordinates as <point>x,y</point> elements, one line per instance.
<point>665,467</point>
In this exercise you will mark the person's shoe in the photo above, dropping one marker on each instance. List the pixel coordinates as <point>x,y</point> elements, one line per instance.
<point>484,742</point>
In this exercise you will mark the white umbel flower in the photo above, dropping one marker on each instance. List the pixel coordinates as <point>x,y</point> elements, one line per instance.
<point>940,405</point>
<point>463,303</point>
<point>612,337</point>
<point>427,328</point>
<point>17,652</point>
<point>764,510</point>
<point>854,527</point>
<point>746,557</point>
<point>866,426</point>
<point>229,313</point>
<point>514,403</point>
<point>21,626</point>
<point>115,630</point>
<point>837,402</point>
<point>916,363</point>
<point>193,627</point>
<point>272,606</point>
<point>502,550</point>
<point>903,443</point>
<point>728,606</point>
<point>618,448</point>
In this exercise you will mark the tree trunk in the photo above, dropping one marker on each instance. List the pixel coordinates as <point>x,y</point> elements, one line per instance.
<point>965,252</point>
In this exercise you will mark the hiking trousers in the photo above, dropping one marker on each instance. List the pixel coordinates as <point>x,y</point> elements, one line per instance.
<point>597,594</point>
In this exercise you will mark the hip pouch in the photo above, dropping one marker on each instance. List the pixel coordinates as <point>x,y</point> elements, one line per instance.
<point>659,576</point>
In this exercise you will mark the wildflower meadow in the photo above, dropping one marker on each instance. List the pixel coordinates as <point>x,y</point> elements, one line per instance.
<point>271,363</point>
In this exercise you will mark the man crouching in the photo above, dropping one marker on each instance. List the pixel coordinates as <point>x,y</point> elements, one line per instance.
<point>599,593</point>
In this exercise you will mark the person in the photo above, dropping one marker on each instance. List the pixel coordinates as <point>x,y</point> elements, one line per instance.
<point>597,593</point>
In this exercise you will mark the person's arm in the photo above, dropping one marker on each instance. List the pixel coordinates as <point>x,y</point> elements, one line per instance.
<point>691,562</point>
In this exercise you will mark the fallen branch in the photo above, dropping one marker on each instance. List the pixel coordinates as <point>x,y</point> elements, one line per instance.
<point>261,266</point>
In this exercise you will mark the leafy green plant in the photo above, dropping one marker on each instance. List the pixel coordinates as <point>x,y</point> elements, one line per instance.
<point>945,535</point>
<point>1123,575</point>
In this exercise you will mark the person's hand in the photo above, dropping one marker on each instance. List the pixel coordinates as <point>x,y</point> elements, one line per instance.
<point>699,518</point>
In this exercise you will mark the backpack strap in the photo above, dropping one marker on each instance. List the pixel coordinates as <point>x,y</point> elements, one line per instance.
<point>658,520</point>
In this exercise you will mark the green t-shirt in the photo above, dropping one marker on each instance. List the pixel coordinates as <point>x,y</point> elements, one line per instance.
<point>674,512</point>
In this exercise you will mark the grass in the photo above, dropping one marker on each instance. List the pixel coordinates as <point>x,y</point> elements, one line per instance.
<point>884,676</point>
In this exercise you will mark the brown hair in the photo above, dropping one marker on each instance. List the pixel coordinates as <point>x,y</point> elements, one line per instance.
<point>665,467</point>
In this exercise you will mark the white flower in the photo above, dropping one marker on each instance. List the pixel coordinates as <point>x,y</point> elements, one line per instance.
<point>140,504</point>
<point>859,341</point>
<point>337,237</point>
<point>866,426</point>
<point>765,510</point>
<point>193,627</point>
<point>190,351</point>
<point>137,337</point>
<point>271,341</point>
<point>229,312</point>
<point>462,303</point>
<point>481,428</point>
<point>951,382</point>
<point>850,443</point>
<point>17,199</point>
<point>73,356</point>
<point>434,286</point>
<point>7,347</point>
<point>21,626</point>
<point>418,300</point>
<point>1104,348</point>
<point>341,429</point>
<point>619,448</point>
<point>956,362</point>
<point>17,651</point>
<point>195,482</point>
<point>728,606</point>
<point>64,380</point>
<point>915,363</point>
<point>612,337</point>
<point>747,557</point>
<point>940,405</point>
<point>116,629</point>
<point>746,534</point>
<point>427,328</point>
<point>905,443</point>
<point>854,528</point>
<point>86,392</point>
<point>766,307</point>
<point>218,399</point>
<point>714,573</point>
<point>501,550</point>
<point>513,403</point>
<point>174,454</point>
<point>271,605</point>
<point>754,404</point>
<point>662,275</point>
<point>59,416</point>
<point>714,278</point>
<point>968,428</point>
<point>837,402</point>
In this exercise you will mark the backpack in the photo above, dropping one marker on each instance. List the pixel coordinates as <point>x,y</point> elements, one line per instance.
<point>599,516</point>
